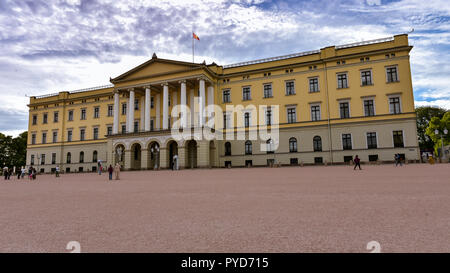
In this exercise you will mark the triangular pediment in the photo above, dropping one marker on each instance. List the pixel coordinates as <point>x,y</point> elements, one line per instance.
<point>155,67</point>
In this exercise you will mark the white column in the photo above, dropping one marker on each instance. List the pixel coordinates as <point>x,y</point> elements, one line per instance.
<point>127,117</point>
<point>165,106</point>
<point>142,122</point>
<point>210,96</point>
<point>201,117</point>
<point>147,108</point>
<point>183,102</point>
<point>131,112</point>
<point>158,112</point>
<point>191,103</point>
<point>116,113</point>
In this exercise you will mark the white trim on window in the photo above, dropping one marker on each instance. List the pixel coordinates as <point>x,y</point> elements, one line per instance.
<point>400,102</point>
<point>287,114</point>
<point>351,140</point>
<point>376,137</point>
<point>374,106</point>
<point>386,74</point>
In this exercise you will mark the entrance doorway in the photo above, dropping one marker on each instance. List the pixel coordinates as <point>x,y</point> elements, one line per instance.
<point>191,154</point>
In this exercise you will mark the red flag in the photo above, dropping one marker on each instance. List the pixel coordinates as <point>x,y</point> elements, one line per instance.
<point>195,36</point>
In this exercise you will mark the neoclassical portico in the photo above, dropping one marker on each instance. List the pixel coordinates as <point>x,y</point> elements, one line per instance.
<point>144,93</point>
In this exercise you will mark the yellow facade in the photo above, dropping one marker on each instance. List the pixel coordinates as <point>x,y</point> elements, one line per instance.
<point>384,64</point>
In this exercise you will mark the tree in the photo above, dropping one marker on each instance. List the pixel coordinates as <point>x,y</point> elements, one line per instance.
<point>439,124</point>
<point>13,151</point>
<point>424,116</point>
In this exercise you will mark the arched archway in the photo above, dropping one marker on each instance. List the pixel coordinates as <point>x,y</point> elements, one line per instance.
<point>119,155</point>
<point>153,154</point>
<point>136,156</point>
<point>172,149</point>
<point>212,153</point>
<point>191,154</point>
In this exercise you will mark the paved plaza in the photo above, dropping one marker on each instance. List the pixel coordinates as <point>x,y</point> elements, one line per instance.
<point>289,209</point>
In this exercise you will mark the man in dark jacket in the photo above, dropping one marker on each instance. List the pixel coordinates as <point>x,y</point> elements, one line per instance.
<point>357,162</point>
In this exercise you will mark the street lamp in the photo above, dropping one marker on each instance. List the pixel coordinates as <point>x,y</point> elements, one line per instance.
<point>444,132</point>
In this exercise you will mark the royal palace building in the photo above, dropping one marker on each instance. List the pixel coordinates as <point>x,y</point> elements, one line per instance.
<point>317,107</point>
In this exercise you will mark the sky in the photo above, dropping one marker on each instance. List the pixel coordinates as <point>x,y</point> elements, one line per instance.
<point>47,46</point>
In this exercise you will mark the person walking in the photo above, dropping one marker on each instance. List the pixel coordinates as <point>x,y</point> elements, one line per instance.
<point>23,170</point>
<point>99,166</point>
<point>110,171</point>
<point>57,171</point>
<point>10,170</point>
<point>5,172</point>
<point>117,171</point>
<point>357,162</point>
<point>19,173</point>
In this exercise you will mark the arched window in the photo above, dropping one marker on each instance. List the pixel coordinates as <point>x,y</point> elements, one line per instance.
<point>81,157</point>
<point>317,143</point>
<point>69,158</point>
<point>269,146</point>
<point>227,148</point>
<point>248,147</point>
<point>94,156</point>
<point>292,145</point>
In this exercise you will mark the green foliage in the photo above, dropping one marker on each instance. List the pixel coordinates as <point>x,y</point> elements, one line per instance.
<point>13,151</point>
<point>439,124</point>
<point>424,116</point>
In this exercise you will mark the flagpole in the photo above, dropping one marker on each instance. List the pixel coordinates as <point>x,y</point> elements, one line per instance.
<point>192,37</point>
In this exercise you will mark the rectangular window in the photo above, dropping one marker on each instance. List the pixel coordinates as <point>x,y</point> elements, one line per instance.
<point>371,140</point>
<point>109,130</point>
<point>152,102</point>
<point>315,112</point>
<point>55,116</point>
<point>344,109</point>
<point>290,88</point>
<point>373,157</point>
<point>246,93</point>
<point>82,134</point>
<point>226,120</point>
<point>124,129</point>
<point>346,141</point>
<point>33,139</point>
<point>291,115</point>
<point>55,137</point>
<point>247,120</point>
<point>32,160</point>
<point>366,77</point>
<point>391,74</point>
<point>70,115</point>
<point>394,105</point>
<point>83,114</point>
<point>53,158</point>
<point>136,104</point>
<point>136,126</point>
<point>124,108</point>
<point>45,118</point>
<point>226,96</point>
<point>96,112</point>
<point>42,159</point>
<point>69,136</point>
<point>34,120</point>
<point>267,90</point>
<point>110,110</point>
<point>152,125</point>
<point>44,138</point>
<point>314,85</point>
<point>269,116</point>
<point>342,80</point>
<point>369,109</point>
<point>398,139</point>
<point>95,133</point>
